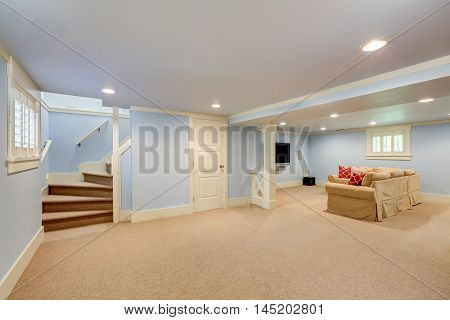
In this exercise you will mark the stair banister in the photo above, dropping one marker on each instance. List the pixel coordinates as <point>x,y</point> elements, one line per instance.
<point>47,144</point>
<point>97,129</point>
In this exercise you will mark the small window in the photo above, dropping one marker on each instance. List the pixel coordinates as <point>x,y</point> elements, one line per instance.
<point>390,143</point>
<point>24,138</point>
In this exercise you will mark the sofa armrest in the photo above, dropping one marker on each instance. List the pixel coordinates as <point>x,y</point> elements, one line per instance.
<point>335,179</point>
<point>345,190</point>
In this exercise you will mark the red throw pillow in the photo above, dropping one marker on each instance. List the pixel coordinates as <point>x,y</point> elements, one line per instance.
<point>345,172</point>
<point>356,178</point>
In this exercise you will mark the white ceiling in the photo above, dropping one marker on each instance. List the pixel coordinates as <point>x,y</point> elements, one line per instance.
<point>389,107</point>
<point>189,54</point>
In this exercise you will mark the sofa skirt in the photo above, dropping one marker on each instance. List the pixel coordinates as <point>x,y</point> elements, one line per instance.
<point>359,209</point>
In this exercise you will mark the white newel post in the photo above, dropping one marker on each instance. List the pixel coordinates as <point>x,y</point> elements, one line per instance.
<point>269,170</point>
<point>116,166</point>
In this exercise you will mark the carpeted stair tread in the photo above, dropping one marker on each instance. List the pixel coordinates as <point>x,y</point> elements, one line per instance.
<point>52,216</point>
<point>57,198</point>
<point>81,184</point>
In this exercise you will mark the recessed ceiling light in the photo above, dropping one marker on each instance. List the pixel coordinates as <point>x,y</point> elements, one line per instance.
<point>108,91</point>
<point>426,100</point>
<point>323,128</point>
<point>372,123</point>
<point>282,123</point>
<point>374,45</point>
<point>334,115</point>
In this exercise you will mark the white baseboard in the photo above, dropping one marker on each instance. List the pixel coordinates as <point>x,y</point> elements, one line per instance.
<point>321,183</point>
<point>288,184</point>
<point>13,275</point>
<point>44,191</point>
<point>435,198</point>
<point>125,216</point>
<point>263,203</point>
<point>238,202</point>
<point>148,215</point>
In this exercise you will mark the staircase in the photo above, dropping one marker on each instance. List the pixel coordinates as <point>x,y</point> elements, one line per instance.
<point>78,203</point>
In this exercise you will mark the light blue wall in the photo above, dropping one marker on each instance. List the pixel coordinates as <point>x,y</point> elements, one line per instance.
<point>67,129</point>
<point>126,180</point>
<point>245,154</point>
<point>45,135</point>
<point>20,197</point>
<point>294,171</point>
<point>430,148</point>
<point>166,187</point>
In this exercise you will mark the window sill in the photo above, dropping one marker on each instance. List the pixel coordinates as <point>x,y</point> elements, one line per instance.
<point>20,166</point>
<point>395,158</point>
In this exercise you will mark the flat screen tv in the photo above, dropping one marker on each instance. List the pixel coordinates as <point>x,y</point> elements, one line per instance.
<point>282,153</point>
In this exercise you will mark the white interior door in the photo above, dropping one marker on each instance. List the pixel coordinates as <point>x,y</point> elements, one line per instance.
<point>209,164</point>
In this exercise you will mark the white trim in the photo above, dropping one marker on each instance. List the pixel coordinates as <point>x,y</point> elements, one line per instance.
<point>405,155</point>
<point>238,202</point>
<point>116,167</point>
<point>13,275</point>
<point>44,152</point>
<point>288,184</point>
<point>434,198</point>
<point>264,203</point>
<point>205,116</point>
<point>44,191</point>
<point>398,158</point>
<point>83,112</point>
<point>155,214</point>
<point>381,77</point>
<point>20,166</point>
<point>125,215</point>
<point>125,146</point>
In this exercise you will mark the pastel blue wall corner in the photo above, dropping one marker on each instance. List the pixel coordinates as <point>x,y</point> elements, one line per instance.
<point>430,148</point>
<point>67,129</point>
<point>168,185</point>
<point>19,220</point>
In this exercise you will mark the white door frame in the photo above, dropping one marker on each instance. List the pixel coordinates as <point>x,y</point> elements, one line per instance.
<point>193,152</point>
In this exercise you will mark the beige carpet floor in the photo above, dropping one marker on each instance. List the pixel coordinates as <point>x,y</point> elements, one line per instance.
<point>293,252</point>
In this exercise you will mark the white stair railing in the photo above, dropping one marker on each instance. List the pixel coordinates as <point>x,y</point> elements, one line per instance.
<point>47,144</point>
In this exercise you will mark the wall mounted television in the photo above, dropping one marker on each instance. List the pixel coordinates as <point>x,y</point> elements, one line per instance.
<point>282,153</point>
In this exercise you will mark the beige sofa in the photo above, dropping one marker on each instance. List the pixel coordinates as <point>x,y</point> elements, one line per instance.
<point>384,193</point>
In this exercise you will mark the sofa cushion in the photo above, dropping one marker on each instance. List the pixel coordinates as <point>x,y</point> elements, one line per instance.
<point>395,172</point>
<point>345,172</point>
<point>374,176</point>
<point>356,178</point>
<point>409,172</point>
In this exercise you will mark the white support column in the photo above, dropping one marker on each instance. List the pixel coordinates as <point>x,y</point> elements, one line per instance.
<point>269,170</point>
<point>116,167</point>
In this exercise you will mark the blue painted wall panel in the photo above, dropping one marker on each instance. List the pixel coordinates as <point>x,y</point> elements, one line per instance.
<point>430,148</point>
<point>20,197</point>
<point>168,184</point>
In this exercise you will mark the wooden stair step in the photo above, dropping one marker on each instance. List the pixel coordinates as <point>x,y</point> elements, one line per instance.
<point>98,178</point>
<point>72,219</point>
<point>57,203</point>
<point>85,189</point>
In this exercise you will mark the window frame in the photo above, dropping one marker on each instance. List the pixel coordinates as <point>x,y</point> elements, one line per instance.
<point>383,132</point>
<point>19,162</point>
